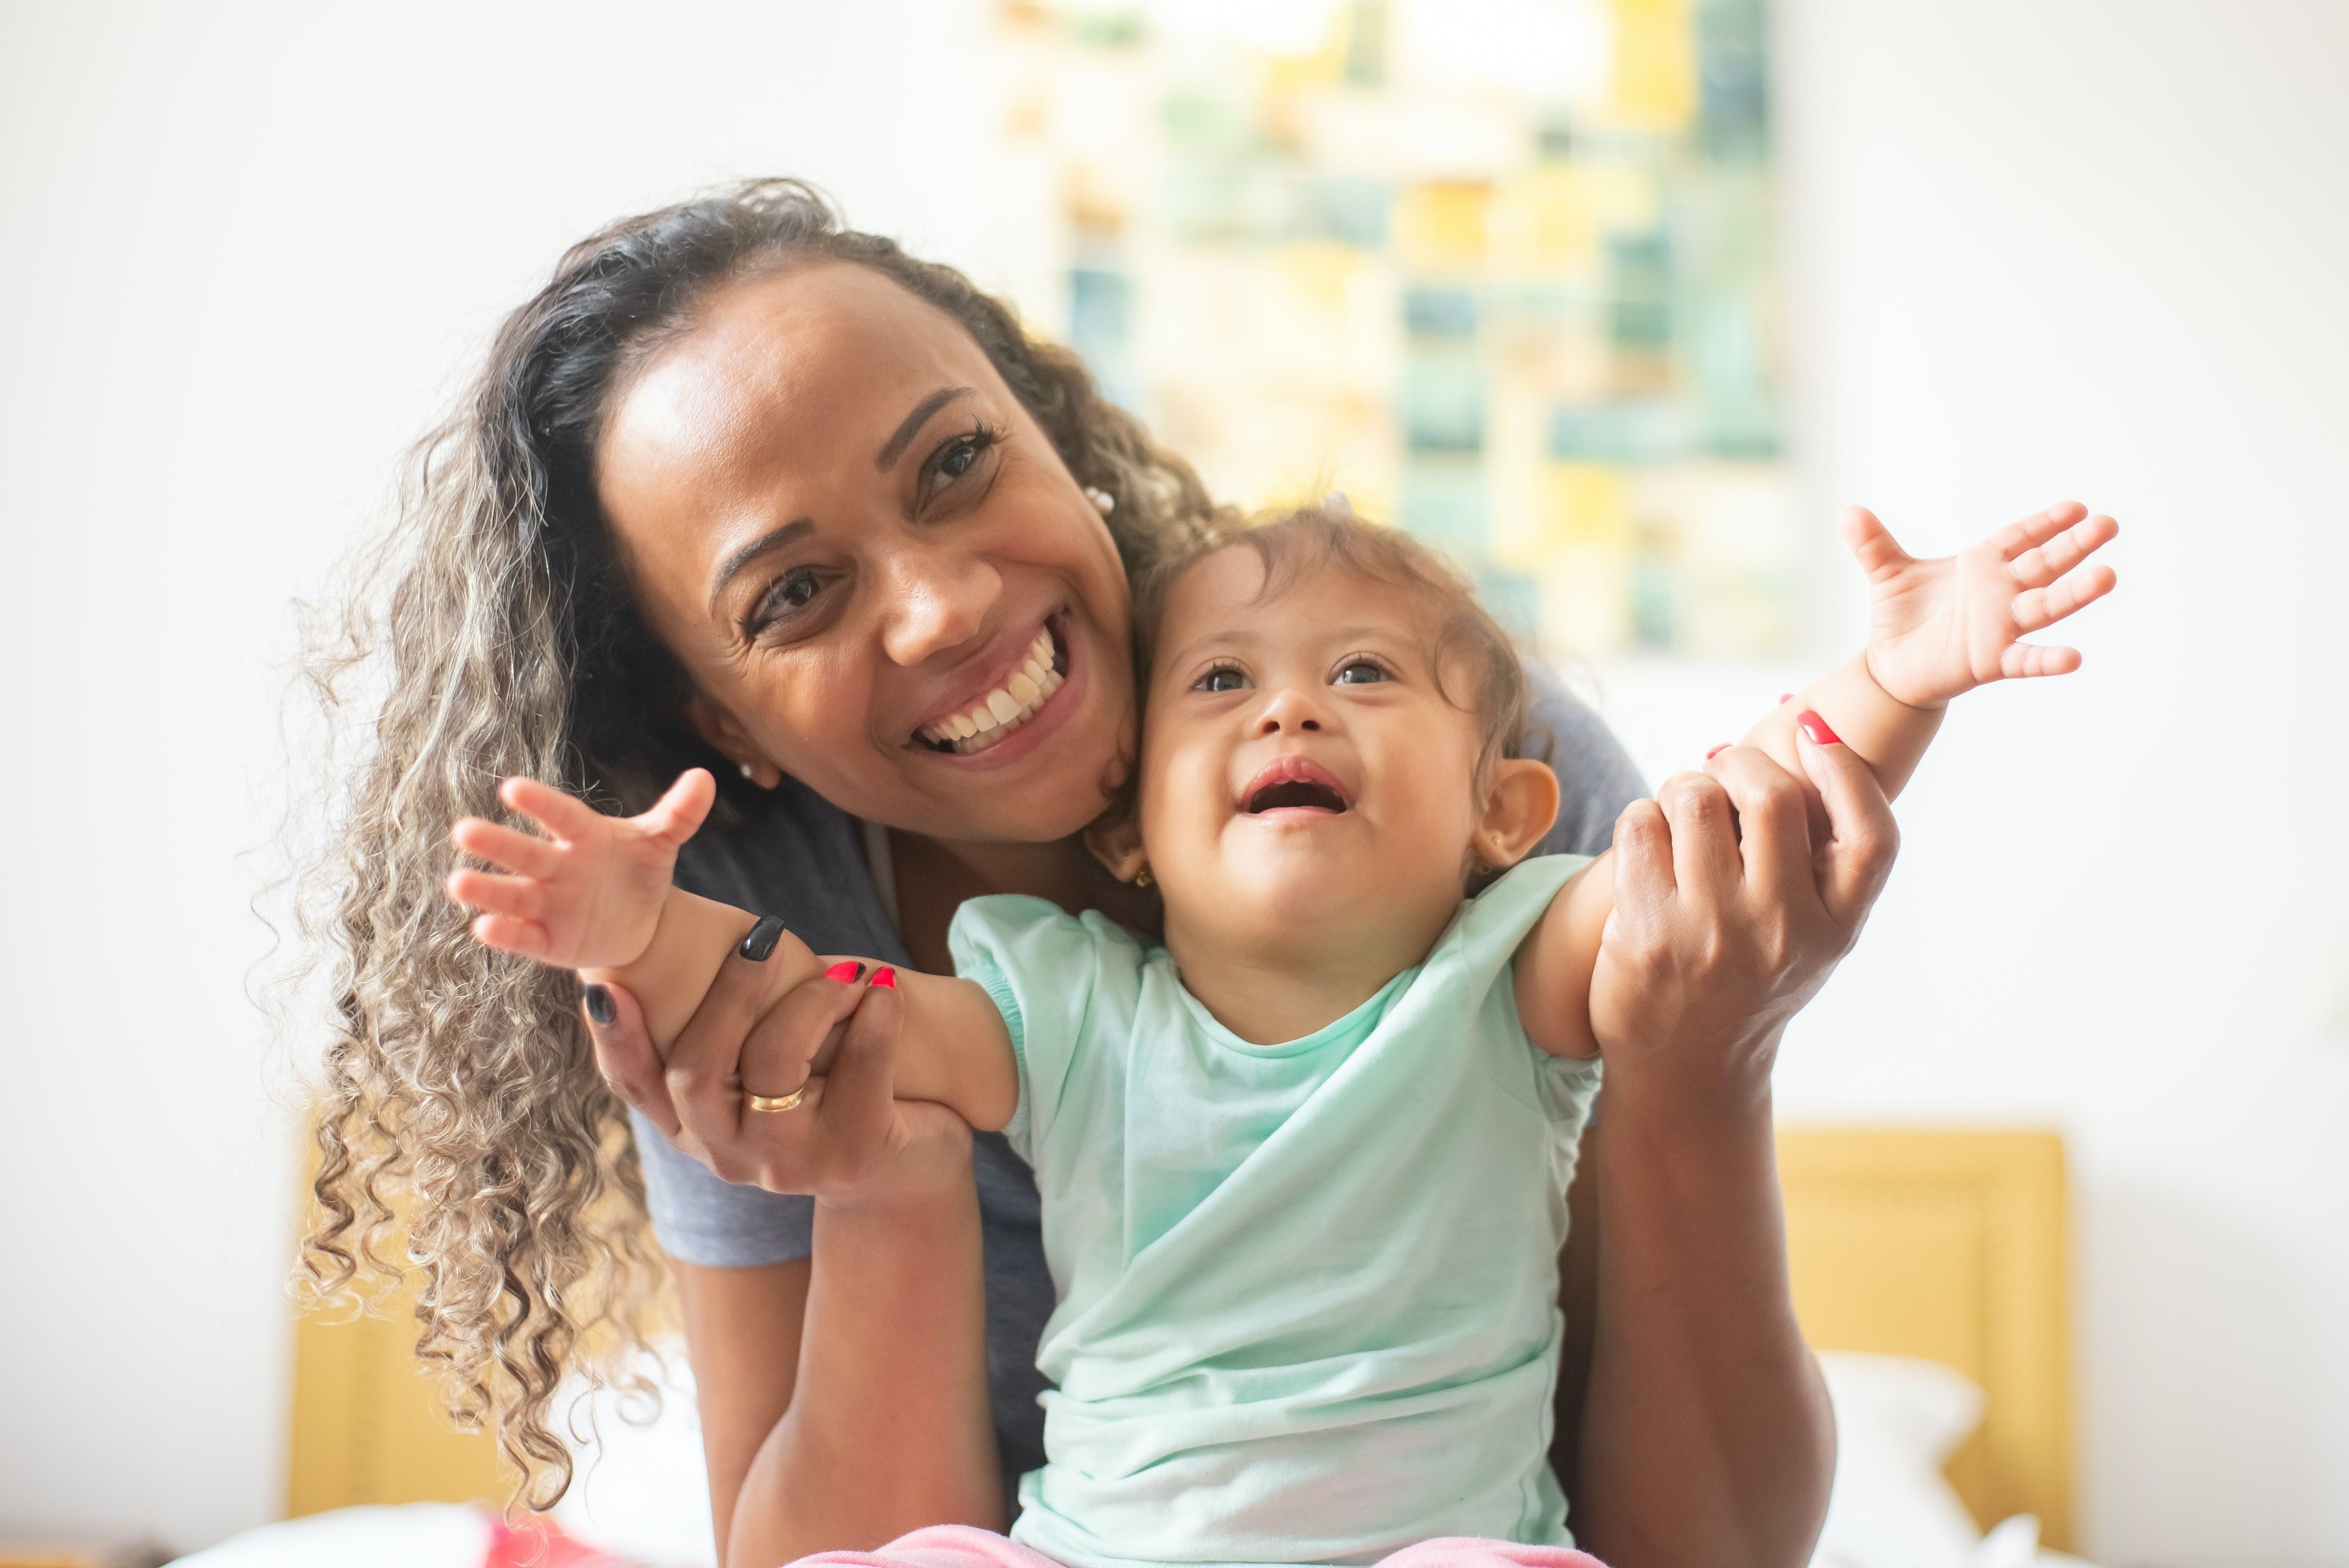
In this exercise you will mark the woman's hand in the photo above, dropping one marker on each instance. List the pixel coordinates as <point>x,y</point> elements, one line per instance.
<point>849,1141</point>
<point>1694,1427</point>
<point>1936,629</point>
<point>1727,919</point>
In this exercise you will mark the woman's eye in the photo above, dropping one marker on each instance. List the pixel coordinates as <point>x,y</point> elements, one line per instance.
<point>958,456</point>
<point>1361,672</point>
<point>1221,680</point>
<point>790,593</point>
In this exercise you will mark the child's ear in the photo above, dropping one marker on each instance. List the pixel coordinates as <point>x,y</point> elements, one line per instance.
<point>1520,803</point>
<point>1117,845</point>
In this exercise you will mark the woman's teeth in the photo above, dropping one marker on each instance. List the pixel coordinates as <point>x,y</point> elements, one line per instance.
<point>1005,708</point>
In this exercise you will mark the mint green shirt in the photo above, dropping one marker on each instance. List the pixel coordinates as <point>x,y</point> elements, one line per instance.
<point>1308,1292</point>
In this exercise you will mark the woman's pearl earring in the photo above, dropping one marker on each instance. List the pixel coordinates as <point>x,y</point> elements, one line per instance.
<point>749,773</point>
<point>1142,877</point>
<point>1100,498</point>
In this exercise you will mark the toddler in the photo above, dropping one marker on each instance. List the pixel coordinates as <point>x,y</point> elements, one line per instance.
<point>1303,1163</point>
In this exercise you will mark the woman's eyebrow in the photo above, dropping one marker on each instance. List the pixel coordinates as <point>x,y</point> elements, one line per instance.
<point>775,539</point>
<point>895,444</point>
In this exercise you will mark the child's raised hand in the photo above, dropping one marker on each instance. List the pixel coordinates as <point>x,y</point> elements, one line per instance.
<point>588,895</point>
<point>1940,628</point>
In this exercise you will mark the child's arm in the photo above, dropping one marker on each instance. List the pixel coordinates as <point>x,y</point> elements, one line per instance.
<point>595,895</point>
<point>1936,629</point>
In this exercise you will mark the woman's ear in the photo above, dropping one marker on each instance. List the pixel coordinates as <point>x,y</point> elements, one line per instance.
<point>1117,845</point>
<point>1520,803</point>
<point>724,734</point>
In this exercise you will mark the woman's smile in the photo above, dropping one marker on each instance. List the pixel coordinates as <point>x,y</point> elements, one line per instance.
<point>1022,696</point>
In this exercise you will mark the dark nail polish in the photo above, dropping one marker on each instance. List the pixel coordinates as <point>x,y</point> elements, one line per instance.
<point>760,943</point>
<point>599,1004</point>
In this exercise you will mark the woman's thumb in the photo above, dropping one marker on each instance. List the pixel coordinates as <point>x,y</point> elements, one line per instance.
<point>1862,837</point>
<point>863,1079</point>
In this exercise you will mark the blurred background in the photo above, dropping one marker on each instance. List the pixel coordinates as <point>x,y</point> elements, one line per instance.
<point>1615,299</point>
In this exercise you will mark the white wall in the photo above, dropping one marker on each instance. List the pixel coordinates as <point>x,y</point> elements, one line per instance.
<point>2064,248</point>
<point>2100,250</point>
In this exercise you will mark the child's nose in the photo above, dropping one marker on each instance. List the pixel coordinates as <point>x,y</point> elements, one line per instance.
<point>1290,710</point>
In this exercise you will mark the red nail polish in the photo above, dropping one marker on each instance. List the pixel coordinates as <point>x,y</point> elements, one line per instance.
<point>1817,728</point>
<point>885,978</point>
<point>845,971</point>
<point>1785,696</point>
<point>1716,751</point>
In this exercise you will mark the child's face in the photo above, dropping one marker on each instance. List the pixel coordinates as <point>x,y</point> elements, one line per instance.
<point>1302,772</point>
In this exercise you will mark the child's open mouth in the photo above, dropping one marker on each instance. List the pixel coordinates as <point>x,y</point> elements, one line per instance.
<point>1294,784</point>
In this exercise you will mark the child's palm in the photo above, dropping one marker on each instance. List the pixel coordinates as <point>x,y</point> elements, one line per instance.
<point>589,894</point>
<point>1940,628</point>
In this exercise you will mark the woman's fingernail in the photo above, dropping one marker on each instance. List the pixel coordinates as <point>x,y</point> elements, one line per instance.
<point>760,943</point>
<point>1785,696</point>
<point>599,1004</point>
<point>845,971</point>
<point>1817,728</point>
<point>884,979</point>
<point>1716,751</point>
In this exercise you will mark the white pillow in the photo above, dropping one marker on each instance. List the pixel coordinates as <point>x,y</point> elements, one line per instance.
<point>411,1535</point>
<point>1898,1419</point>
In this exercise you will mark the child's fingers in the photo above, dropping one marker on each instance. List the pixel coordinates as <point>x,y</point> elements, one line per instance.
<point>677,815</point>
<point>2037,607</point>
<point>2022,661</point>
<point>561,813</point>
<point>2037,529</point>
<point>1872,545</point>
<point>516,851</point>
<point>509,934</point>
<point>516,896</point>
<point>2038,567</point>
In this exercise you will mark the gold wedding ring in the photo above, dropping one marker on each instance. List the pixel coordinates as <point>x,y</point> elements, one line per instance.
<point>775,1101</point>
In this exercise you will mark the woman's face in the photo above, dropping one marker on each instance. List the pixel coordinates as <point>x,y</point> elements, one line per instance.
<point>872,561</point>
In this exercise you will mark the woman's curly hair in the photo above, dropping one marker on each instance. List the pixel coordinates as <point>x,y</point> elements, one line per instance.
<point>490,633</point>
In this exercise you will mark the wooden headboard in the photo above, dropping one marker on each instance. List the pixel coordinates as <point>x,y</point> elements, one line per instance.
<point>1947,1245</point>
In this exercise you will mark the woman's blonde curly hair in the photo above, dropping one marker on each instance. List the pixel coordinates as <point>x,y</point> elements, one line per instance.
<point>491,632</point>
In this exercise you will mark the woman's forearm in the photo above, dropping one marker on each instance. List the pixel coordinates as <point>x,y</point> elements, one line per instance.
<point>1705,1431</point>
<point>886,1424</point>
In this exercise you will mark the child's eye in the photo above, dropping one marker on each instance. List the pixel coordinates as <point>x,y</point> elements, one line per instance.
<point>1361,672</point>
<point>1222,677</point>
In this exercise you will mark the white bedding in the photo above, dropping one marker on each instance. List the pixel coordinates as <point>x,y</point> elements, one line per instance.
<point>639,1493</point>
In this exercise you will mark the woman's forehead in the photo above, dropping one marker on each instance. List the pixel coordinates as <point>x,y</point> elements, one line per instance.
<point>791,369</point>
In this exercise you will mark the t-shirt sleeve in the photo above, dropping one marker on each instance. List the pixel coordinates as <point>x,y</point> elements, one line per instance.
<point>1595,777</point>
<point>1045,970</point>
<point>703,1219</point>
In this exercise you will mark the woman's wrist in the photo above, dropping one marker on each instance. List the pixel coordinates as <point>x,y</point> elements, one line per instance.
<point>925,1180</point>
<point>1704,1092</point>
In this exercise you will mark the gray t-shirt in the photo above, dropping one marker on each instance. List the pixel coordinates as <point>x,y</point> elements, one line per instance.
<point>802,858</point>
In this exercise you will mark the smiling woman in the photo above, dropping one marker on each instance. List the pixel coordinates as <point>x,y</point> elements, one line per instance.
<point>746,490</point>
<point>729,448</point>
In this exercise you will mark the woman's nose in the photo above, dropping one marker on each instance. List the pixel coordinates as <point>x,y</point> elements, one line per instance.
<point>1288,709</point>
<point>938,601</point>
